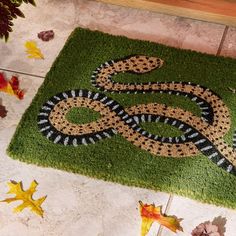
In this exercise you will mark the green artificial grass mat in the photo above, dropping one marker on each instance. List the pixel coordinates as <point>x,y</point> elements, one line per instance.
<point>82,115</point>
<point>116,159</point>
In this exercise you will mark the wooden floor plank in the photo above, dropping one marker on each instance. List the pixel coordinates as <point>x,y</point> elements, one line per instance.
<point>223,7</point>
<point>219,11</point>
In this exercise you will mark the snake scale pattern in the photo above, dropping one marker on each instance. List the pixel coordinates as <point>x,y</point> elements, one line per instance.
<point>199,134</point>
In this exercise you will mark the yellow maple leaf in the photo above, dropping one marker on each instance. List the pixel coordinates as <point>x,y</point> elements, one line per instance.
<point>26,197</point>
<point>151,213</point>
<point>33,51</point>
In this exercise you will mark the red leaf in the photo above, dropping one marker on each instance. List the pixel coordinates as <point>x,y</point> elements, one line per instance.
<point>3,81</point>
<point>11,87</point>
<point>14,82</point>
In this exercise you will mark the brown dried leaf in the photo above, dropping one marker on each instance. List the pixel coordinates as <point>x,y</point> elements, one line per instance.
<point>3,111</point>
<point>206,229</point>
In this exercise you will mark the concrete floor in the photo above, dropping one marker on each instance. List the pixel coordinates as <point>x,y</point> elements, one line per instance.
<point>77,205</point>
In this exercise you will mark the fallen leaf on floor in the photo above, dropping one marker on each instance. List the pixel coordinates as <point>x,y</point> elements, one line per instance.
<point>11,87</point>
<point>151,213</point>
<point>3,111</point>
<point>33,51</point>
<point>26,197</point>
<point>206,229</point>
<point>46,35</point>
<point>5,85</point>
<point>14,82</point>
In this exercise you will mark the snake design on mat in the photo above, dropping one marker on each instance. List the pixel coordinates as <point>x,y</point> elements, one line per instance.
<point>200,134</point>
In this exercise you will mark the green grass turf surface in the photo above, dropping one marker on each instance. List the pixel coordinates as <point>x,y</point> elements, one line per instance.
<point>116,159</point>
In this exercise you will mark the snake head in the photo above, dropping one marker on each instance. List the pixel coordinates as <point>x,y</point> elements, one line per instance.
<point>143,64</point>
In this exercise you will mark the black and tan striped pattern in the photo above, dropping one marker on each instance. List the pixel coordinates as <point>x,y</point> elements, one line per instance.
<point>199,134</point>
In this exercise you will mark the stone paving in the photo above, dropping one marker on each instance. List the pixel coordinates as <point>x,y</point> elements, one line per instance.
<point>77,205</point>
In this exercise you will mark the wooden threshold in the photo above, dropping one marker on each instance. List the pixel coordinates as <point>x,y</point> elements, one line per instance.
<point>218,11</point>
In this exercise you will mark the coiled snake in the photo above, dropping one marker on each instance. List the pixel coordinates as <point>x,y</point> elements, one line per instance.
<point>200,134</point>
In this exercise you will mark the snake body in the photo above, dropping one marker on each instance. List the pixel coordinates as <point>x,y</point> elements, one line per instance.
<point>200,134</point>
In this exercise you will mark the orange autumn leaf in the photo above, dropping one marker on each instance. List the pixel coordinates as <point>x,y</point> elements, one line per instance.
<point>11,87</point>
<point>5,86</point>
<point>151,213</point>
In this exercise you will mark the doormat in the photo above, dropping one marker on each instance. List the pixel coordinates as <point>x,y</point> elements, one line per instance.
<point>137,113</point>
